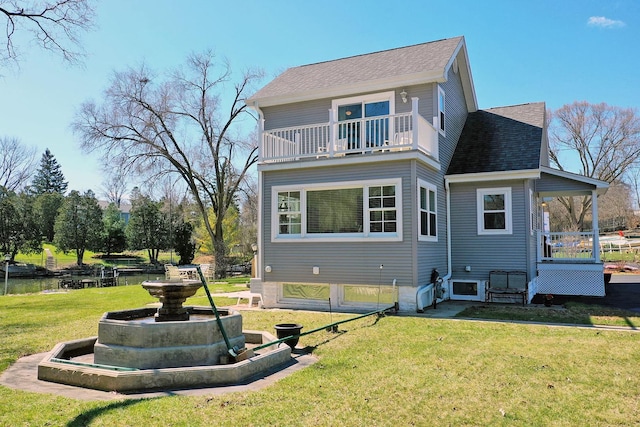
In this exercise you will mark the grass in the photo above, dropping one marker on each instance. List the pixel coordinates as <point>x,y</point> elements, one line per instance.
<point>384,372</point>
<point>68,259</point>
<point>571,313</point>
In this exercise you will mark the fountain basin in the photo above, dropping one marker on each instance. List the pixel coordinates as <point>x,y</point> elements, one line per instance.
<point>172,293</point>
<point>60,366</point>
<point>133,338</point>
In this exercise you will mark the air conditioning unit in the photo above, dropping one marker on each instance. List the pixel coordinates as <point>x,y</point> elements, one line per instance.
<point>467,290</point>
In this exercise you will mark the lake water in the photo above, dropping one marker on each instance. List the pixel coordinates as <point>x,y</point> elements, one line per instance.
<point>20,285</point>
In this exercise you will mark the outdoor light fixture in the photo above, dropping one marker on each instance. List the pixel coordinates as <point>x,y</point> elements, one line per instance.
<point>403,95</point>
<point>254,247</point>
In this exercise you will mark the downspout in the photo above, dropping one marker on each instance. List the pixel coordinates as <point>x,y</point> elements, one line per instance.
<point>448,208</point>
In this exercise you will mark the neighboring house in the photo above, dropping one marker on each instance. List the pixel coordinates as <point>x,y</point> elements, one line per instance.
<point>125,209</point>
<point>376,169</point>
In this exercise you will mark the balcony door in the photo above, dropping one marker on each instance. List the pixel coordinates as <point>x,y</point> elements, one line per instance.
<point>363,123</point>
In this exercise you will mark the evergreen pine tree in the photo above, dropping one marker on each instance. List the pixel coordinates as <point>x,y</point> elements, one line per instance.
<point>49,178</point>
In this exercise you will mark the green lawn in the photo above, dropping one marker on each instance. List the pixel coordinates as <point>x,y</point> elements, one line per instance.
<point>571,313</point>
<point>392,371</point>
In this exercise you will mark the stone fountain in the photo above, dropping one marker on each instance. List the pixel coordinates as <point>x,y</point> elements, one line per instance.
<point>170,347</point>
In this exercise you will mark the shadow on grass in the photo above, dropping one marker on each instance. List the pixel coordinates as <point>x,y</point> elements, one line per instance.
<point>569,313</point>
<point>86,418</point>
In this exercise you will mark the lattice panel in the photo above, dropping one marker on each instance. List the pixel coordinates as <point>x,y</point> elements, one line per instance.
<point>571,282</point>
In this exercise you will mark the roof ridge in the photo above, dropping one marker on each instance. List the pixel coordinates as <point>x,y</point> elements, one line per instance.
<point>375,52</point>
<point>514,105</point>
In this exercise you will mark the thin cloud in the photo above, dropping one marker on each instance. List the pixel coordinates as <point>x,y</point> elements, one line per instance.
<point>603,22</point>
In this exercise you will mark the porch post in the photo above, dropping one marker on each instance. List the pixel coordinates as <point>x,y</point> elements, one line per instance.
<point>331,133</point>
<point>596,230</point>
<point>414,123</point>
<point>260,137</point>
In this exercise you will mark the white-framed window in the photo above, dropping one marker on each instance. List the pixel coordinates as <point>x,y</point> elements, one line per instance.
<point>533,213</point>
<point>427,212</point>
<point>441,111</point>
<point>494,210</point>
<point>348,211</point>
<point>289,213</point>
<point>363,121</point>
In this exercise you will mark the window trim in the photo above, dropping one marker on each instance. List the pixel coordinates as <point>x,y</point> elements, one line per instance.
<point>442,114</point>
<point>337,237</point>
<point>532,213</point>
<point>365,99</point>
<point>480,193</point>
<point>429,187</point>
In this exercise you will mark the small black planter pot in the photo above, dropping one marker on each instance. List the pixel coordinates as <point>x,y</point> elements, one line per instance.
<point>284,330</point>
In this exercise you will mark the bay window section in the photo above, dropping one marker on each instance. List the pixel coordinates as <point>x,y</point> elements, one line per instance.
<point>341,211</point>
<point>289,216</point>
<point>382,209</point>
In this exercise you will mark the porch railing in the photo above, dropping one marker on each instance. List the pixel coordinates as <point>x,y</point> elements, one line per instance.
<point>396,132</point>
<point>567,246</point>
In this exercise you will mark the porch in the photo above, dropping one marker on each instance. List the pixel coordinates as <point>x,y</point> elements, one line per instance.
<point>337,138</point>
<point>568,264</point>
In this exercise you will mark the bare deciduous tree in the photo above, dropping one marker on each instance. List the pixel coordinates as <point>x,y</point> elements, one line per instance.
<point>181,126</point>
<point>115,185</point>
<point>606,141</point>
<point>17,163</point>
<point>54,24</point>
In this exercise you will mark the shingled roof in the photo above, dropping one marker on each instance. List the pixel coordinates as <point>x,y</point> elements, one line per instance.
<point>500,139</point>
<point>412,64</point>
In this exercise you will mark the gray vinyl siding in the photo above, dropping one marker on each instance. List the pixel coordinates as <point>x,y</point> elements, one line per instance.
<point>299,114</point>
<point>317,111</point>
<point>431,255</point>
<point>340,262</point>
<point>484,253</point>
<point>455,116</point>
<point>550,184</point>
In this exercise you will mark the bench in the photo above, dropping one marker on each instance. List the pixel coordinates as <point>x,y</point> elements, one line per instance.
<point>507,283</point>
<point>251,297</point>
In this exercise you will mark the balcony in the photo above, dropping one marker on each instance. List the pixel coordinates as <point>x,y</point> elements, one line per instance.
<point>388,133</point>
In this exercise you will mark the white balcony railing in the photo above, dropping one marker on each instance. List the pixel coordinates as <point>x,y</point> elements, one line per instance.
<point>391,133</point>
<point>566,246</point>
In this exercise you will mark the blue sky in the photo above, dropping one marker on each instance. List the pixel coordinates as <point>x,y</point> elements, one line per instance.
<point>520,51</point>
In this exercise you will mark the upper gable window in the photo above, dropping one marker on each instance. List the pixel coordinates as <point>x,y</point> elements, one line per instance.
<point>494,210</point>
<point>441,110</point>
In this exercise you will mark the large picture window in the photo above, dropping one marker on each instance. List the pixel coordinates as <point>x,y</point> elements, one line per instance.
<point>341,211</point>
<point>494,211</point>
<point>427,212</point>
<point>334,211</point>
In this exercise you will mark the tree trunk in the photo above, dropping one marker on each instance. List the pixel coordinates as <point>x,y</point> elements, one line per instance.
<point>220,250</point>
<point>79,256</point>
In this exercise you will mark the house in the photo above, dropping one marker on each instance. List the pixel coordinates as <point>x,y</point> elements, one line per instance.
<point>124,208</point>
<point>375,170</point>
